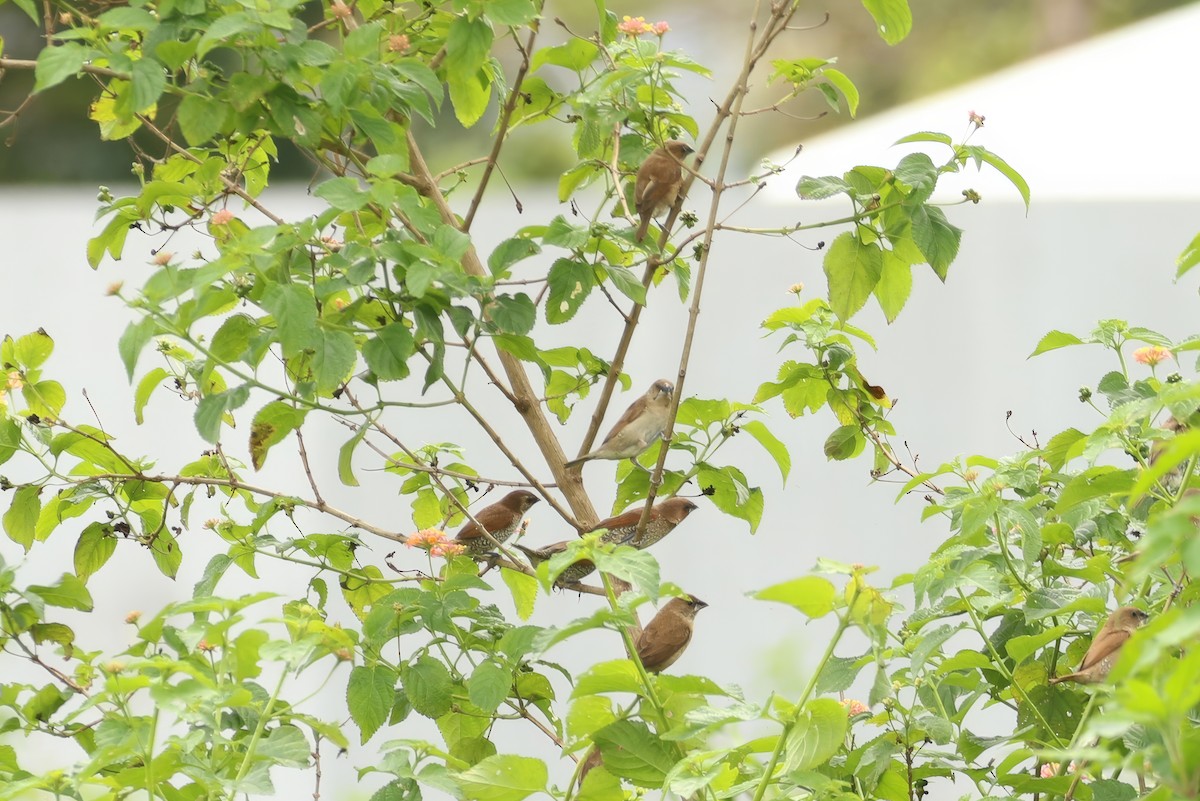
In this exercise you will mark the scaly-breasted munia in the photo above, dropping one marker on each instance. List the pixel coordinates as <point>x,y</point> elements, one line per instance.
<point>664,517</point>
<point>667,636</point>
<point>573,573</point>
<point>658,182</point>
<point>501,520</point>
<point>1106,647</point>
<point>643,422</point>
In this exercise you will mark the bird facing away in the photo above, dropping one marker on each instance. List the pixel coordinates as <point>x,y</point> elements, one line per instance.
<point>642,423</point>
<point>573,573</point>
<point>1106,647</point>
<point>658,181</point>
<point>664,517</point>
<point>668,635</point>
<point>501,520</point>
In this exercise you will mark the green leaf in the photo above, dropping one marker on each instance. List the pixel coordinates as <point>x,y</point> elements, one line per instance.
<point>627,284</point>
<point>570,283</point>
<point>812,595</point>
<point>369,695</point>
<point>853,268</point>
<point>428,685</point>
<point>1055,340</point>
<point>613,676</point>
<point>845,86</point>
<point>271,426</point>
<point>490,682</point>
<point>576,54</point>
<point>133,341</point>
<point>926,136</point>
<point>467,46</point>
<point>639,568</point>
<point>149,82</point>
<point>503,777</point>
<point>524,589</point>
<point>1023,646</point>
<point>343,194</point>
<point>387,353</point>
<point>816,735</point>
<point>513,314</point>
<point>346,457</point>
<point>844,443</point>
<point>917,171</point>
<point>1189,258</point>
<point>810,188</point>
<point>20,521</point>
<point>511,251</point>
<point>56,64</point>
<point>510,12</point>
<point>295,314</point>
<point>10,438</point>
<point>1004,169</point>
<point>633,752</point>
<point>232,339</point>
<point>334,357</point>
<point>212,408</point>
<point>895,285</point>
<point>68,593</point>
<point>936,237</point>
<point>893,19</point>
<point>92,551</point>
<point>201,118</point>
<point>771,444</point>
<point>32,350</point>
<point>166,554</point>
<point>731,493</point>
<point>226,26</point>
<point>150,382</point>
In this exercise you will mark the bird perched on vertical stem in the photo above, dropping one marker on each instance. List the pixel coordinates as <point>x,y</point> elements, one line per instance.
<point>658,181</point>
<point>667,637</point>
<point>664,517</point>
<point>642,423</point>
<point>501,520</point>
<point>1106,647</point>
<point>574,572</point>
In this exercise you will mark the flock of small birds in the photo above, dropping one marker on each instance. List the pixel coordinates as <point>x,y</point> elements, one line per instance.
<point>643,423</point>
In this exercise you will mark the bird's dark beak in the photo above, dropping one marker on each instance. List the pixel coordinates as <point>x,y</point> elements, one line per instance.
<point>696,602</point>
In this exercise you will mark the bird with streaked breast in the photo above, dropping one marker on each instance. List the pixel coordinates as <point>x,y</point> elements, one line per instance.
<point>501,520</point>
<point>1106,647</point>
<point>667,636</point>
<point>664,517</point>
<point>574,572</point>
<point>658,182</point>
<point>638,428</point>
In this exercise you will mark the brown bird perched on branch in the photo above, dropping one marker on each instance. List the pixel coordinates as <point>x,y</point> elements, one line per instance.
<point>658,181</point>
<point>668,635</point>
<point>642,423</point>
<point>1106,647</point>
<point>664,517</point>
<point>573,573</point>
<point>501,520</point>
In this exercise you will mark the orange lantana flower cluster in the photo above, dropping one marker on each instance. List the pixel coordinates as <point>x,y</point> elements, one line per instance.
<point>435,541</point>
<point>636,26</point>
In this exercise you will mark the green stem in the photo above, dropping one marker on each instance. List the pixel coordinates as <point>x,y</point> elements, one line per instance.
<point>998,661</point>
<point>843,624</point>
<point>258,732</point>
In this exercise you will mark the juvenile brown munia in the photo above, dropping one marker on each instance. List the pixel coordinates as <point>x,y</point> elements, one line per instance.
<point>642,423</point>
<point>501,520</point>
<point>667,637</point>
<point>658,182</point>
<point>664,517</point>
<point>1106,647</point>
